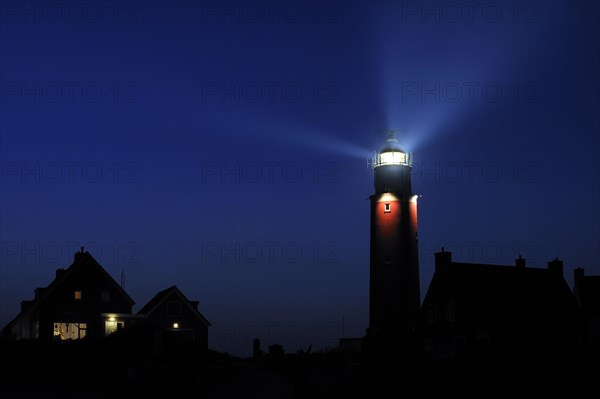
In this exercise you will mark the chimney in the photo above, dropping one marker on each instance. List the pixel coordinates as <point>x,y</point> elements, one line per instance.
<point>442,259</point>
<point>194,304</point>
<point>60,272</point>
<point>520,262</point>
<point>78,255</point>
<point>256,352</point>
<point>556,267</point>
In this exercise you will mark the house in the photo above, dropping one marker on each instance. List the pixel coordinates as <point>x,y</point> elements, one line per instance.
<point>83,301</point>
<point>472,309</point>
<point>171,312</point>
<point>587,293</point>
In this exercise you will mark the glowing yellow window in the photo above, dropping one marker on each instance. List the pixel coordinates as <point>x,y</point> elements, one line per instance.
<point>387,208</point>
<point>78,295</point>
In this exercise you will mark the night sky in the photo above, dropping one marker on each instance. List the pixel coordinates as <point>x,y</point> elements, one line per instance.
<point>222,147</point>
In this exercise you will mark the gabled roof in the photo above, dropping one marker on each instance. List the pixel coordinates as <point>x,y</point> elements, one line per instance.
<point>81,259</point>
<point>497,294</point>
<point>163,295</point>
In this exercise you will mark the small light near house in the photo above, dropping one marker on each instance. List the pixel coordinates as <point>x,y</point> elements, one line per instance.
<point>112,319</point>
<point>175,325</point>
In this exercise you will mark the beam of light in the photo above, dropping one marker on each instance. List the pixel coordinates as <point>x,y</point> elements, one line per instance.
<point>411,106</point>
<point>294,136</point>
<point>326,142</point>
<point>426,85</point>
<point>419,127</point>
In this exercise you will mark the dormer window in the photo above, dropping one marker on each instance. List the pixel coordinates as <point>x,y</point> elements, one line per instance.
<point>77,295</point>
<point>387,208</point>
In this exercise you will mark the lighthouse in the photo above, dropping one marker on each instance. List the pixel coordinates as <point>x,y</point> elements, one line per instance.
<point>394,297</point>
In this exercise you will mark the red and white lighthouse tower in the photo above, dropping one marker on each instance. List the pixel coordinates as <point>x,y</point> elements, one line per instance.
<point>394,282</point>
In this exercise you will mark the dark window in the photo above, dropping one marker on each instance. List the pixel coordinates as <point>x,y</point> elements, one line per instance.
<point>387,261</point>
<point>105,296</point>
<point>432,315</point>
<point>173,309</point>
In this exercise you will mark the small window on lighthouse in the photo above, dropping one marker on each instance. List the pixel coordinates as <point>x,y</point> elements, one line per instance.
<point>387,208</point>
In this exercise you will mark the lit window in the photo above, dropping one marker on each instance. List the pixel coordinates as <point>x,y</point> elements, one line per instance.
<point>387,208</point>
<point>77,295</point>
<point>112,325</point>
<point>173,309</point>
<point>105,296</point>
<point>69,331</point>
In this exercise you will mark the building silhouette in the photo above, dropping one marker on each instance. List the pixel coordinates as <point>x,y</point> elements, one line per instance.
<point>171,312</point>
<point>83,301</point>
<point>472,309</point>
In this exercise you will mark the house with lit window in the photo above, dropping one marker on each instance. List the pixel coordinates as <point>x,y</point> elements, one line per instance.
<point>171,312</point>
<point>480,308</point>
<point>83,301</point>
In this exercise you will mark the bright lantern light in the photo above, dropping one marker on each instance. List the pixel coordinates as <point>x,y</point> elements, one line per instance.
<point>175,325</point>
<point>392,158</point>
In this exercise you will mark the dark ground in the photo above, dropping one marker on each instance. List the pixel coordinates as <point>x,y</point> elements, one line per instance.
<point>83,370</point>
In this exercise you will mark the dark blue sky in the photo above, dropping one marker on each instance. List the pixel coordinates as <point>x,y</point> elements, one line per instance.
<point>222,147</point>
